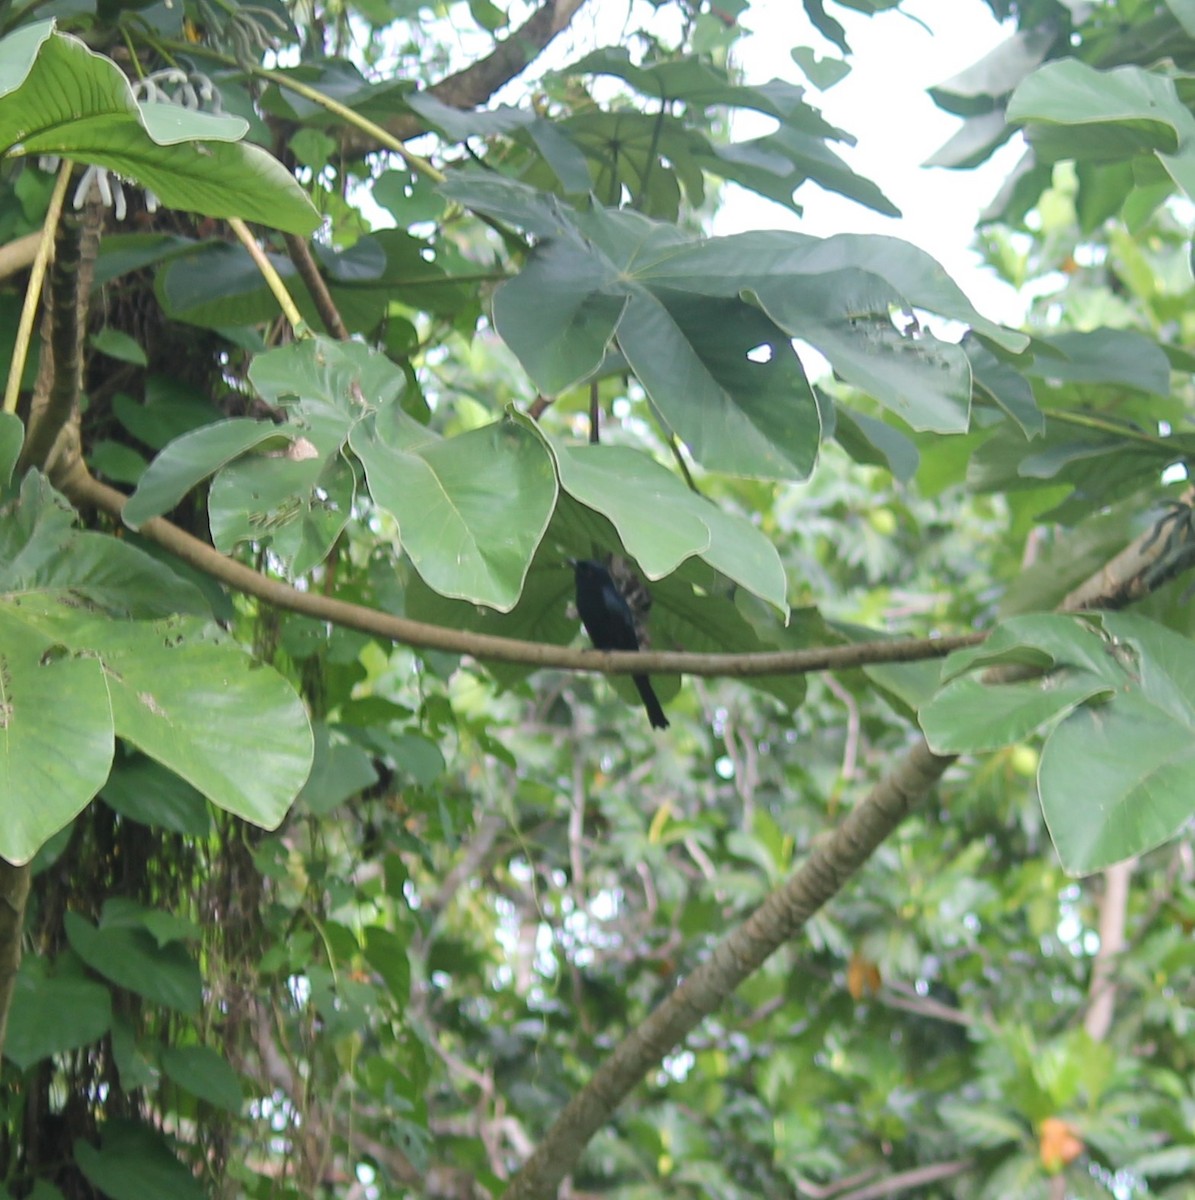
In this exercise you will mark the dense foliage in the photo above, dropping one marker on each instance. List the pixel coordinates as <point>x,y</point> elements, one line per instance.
<point>333,866</point>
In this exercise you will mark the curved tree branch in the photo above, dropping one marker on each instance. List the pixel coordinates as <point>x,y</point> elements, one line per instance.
<point>1113,910</point>
<point>480,80</point>
<point>83,488</point>
<point>779,919</point>
<point>18,254</point>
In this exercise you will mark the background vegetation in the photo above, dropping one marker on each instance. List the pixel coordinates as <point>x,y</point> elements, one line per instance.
<point>332,864</point>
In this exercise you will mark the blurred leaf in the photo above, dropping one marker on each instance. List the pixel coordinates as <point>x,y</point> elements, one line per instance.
<point>120,346</point>
<point>205,1074</point>
<point>53,1013</point>
<point>133,1163</point>
<point>339,770</point>
<point>1072,110</point>
<point>145,791</point>
<point>130,957</point>
<point>981,1127</point>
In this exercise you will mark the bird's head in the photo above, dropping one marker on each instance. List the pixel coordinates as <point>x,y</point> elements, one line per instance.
<point>587,568</point>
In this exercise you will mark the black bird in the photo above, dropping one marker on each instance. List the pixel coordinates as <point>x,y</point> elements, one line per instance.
<point>608,620</point>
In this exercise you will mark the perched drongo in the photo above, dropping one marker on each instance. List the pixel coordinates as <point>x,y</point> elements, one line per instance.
<point>608,620</point>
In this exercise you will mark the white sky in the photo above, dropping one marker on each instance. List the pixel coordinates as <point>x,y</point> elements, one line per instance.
<point>883,103</point>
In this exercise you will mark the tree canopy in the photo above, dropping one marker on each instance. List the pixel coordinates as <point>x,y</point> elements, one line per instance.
<point>335,863</point>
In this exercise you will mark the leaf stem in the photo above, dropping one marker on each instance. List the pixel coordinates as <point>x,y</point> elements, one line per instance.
<point>346,114</point>
<point>290,310</point>
<point>37,275</point>
<point>1117,428</point>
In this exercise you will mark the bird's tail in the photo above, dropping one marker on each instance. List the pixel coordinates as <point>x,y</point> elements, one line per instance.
<point>655,714</point>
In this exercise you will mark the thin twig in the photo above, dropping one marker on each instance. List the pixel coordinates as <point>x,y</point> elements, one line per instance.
<point>678,455</point>
<point>906,1181</point>
<point>595,415</point>
<point>309,272</point>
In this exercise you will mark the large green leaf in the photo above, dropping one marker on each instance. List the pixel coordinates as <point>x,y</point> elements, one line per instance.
<point>56,732</point>
<point>471,509</point>
<point>131,957</point>
<point>296,500</point>
<point>205,1074</point>
<point>61,593</point>
<point>184,693</point>
<point>748,261</point>
<point>968,716</point>
<point>297,505</point>
<point>1130,762</point>
<point>180,690</point>
<point>561,314</point>
<point>1071,110</point>
<point>143,790</point>
<point>623,484</point>
<point>134,1162</point>
<point>748,415</point>
<point>347,376</point>
<point>847,316</point>
<point>192,458</point>
<point>59,97</point>
<point>299,502</point>
<point>41,551</point>
<point>706,324</point>
<point>52,1013</point>
<point>726,379</point>
<point>1119,692</point>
